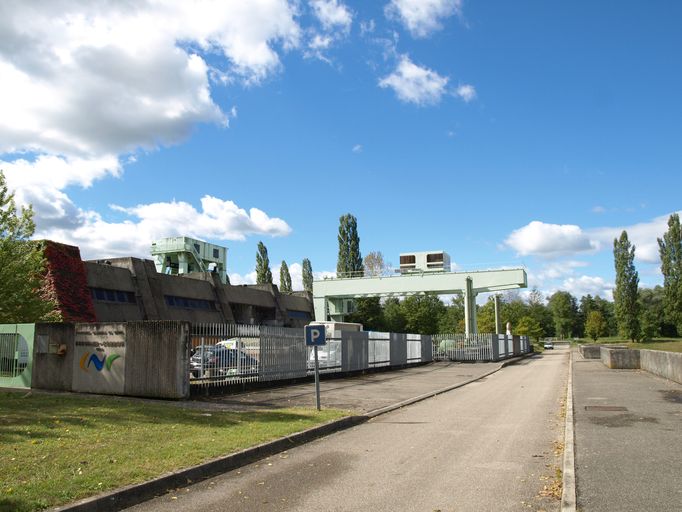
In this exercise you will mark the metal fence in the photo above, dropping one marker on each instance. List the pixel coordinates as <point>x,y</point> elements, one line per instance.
<point>232,354</point>
<point>478,347</point>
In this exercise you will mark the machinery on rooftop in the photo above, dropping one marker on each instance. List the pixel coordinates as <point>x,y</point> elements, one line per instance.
<point>181,255</point>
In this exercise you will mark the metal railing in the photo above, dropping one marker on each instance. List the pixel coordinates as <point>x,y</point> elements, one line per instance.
<point>230,354</point>
<point>14,355</point>
<point>478,347</point>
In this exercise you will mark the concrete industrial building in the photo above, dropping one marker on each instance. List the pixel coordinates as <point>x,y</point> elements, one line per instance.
<point>130,289</point>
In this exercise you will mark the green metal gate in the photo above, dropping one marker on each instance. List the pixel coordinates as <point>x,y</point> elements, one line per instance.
<point>16,355</point>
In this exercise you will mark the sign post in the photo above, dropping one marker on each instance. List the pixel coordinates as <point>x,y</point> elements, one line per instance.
<point>315,336</point>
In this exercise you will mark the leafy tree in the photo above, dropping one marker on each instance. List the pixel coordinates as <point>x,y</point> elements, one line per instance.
<point>485,316</point>
<point>540,312</point>
<point>648,324</point>
<point>512,310</point>
<point>23,297</point>
<point>606,308</point>
<point>369,313</point>
<point>263,272</point>
<point>670,250</point>
<point>307,276</point>
<point>394,319</point>
<point>564,312</point>
<point>625,294</point>
<point>422,313</point>
<point>374,264</point>
<point>349,263</point>
<point>595,324</point>
<point>284,278</point>
<point>452,320</point>
<point>529,326</point>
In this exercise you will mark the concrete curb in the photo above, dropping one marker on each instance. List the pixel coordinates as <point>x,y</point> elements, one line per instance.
<point>137,493</point>
<point>568,494</point>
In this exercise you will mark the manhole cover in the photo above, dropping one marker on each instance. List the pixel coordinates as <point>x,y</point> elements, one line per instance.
<point>614,408</point>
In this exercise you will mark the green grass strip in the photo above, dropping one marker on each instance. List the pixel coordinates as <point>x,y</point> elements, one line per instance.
<point>59,448</point>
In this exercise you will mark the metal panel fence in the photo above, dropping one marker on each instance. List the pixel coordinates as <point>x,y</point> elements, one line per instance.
<point>232,354</point>
<point>478,347</point>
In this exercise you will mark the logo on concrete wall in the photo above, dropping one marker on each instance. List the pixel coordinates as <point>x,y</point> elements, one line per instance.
<point>98,362</point>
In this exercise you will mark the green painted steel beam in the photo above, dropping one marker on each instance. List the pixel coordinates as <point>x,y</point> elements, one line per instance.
<point>328,294</point>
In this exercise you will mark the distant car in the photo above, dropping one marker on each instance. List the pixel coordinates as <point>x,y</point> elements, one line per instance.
<point>548,345</point>
<point>217,361</point>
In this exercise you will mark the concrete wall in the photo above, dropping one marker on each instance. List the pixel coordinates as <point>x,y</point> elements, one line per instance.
<point>52,367</point>
<point>148,359</point>
<point>254,304</point>
<point>590,351</point>
<point>620,358</point>
<point>664,364</point>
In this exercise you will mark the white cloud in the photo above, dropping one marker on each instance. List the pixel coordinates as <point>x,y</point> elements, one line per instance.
<point>415,84</point>
<point>88,78</point>
<point>332,14</point>
<point>554,240</point>
<point>466,92</point>
<point>237,279</point>
<point>357,148</point>
<point>335,19</point>
<point>549,240</point>
<point>557,270</point>
<point>422,17</point>
<point>643,235</point>
<point>87,84</point>
<point>584,285</point>
<point>367,27</point>
<point>598,209</point>
<point>217,220</point>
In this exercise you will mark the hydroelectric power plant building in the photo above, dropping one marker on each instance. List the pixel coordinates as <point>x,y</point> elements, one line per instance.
<point>190,285</point>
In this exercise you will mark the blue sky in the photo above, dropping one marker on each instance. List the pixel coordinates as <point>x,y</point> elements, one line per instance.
<point>506,133</point>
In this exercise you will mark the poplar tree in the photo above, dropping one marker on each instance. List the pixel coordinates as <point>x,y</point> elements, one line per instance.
<point>284,278</point>
<point>263,272</point>
<point>307,276</point>
<point>349,263</point>
<point>670,250</point>
<point>22,266</point>
<point>625,296</point>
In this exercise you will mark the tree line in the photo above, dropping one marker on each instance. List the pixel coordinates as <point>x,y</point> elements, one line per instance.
<point>635,313</point>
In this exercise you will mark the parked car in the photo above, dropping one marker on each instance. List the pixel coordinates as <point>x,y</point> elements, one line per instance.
<point>217,360</point>
<point>548,345</point>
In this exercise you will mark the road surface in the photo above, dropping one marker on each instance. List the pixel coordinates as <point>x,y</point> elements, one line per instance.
<point>491,445</point>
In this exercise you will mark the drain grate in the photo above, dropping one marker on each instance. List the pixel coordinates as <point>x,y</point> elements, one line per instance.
<point>614,408</point>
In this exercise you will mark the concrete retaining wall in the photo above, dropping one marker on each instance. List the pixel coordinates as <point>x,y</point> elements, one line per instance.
<point>620,358</point>
<point>590,351</point>
<point>664,364</point>
<point>148,359</point>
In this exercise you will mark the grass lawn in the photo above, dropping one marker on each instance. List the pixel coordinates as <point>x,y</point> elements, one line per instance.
<point>669,344</point>
<point>58,448</point>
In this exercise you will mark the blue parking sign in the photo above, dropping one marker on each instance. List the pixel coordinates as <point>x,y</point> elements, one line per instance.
<point>315,335</point>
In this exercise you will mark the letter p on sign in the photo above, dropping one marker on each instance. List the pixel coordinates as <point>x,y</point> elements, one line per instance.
<point>315,335</point>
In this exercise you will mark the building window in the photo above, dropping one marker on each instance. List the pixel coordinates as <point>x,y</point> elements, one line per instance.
<point>216,253</point>
<point>107,295</point>
<point>196,248</point>
<point>187,303</point>
<point>432,258</point>
<point>408,260</point>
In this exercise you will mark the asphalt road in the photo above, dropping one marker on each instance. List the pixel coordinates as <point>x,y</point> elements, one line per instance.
<point>490,445</point>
